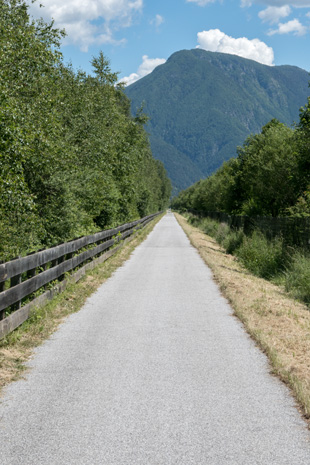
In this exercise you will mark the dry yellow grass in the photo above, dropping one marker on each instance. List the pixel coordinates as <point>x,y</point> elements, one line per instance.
<point>18,346</point>
<point>280,325</point>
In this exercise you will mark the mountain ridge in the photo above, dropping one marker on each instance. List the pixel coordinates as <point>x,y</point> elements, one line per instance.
<point>202,105</point>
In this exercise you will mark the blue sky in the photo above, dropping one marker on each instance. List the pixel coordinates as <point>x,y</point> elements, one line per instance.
<point>137,35</point>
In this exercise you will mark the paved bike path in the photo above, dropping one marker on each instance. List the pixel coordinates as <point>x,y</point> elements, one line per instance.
<point>154,370</point>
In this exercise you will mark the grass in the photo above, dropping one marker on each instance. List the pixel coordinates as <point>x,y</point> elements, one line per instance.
<point>17,347</point>
<point>266,258</point>
<point>297,277</point>
<point>207,225</point>
<point>279,324</point>
<point>233,241</point>
<point>263,257</point>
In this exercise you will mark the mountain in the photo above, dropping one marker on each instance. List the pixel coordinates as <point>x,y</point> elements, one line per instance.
<point>202,105</point>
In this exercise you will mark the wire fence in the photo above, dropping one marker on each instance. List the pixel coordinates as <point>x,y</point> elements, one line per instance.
<point>294,231</point>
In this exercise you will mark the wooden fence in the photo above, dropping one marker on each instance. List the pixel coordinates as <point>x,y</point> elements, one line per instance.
<point>21,279</point>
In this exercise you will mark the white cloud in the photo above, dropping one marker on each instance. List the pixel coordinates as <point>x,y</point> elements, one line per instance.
<point>146,67</point>
<point>158,20</point>
<point>308,15</point>
<point>279,3</point>
<point>201,2</point>
<point>246,3</point>
<point>273,14</point>
<point>215,40</point>
<point>293,26</point>
<point>89,21</point>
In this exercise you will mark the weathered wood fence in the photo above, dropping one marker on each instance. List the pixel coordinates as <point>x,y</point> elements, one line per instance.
<point>21,279</point>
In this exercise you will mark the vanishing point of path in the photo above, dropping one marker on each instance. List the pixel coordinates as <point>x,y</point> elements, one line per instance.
<point>154,370</point>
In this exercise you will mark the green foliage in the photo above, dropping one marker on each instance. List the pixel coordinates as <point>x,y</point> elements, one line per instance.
<point>303,133</point>
<point>216,193</point>
<point>72,159</point>
<point>222,232</point>
<point>268,178</point>
<point>269,259</point>
<point>302,207</point>
<point>262,257</point>
<point>208,226</point>
<point>297,277</point>
<point>233,241</point>
<point>202,105</point>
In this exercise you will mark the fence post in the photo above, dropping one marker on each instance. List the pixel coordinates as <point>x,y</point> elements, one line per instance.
<point>2,313</point>
<point>14,281</point>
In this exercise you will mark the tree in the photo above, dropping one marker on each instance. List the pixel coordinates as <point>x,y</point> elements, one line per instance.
<point>303,138</point>
<point>266,179</point>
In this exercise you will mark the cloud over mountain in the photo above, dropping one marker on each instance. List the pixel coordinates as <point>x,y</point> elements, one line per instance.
<point>146,67</point>
<point>215,40</point>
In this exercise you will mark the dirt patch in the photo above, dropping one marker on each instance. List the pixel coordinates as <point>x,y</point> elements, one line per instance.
<point>279,324</point>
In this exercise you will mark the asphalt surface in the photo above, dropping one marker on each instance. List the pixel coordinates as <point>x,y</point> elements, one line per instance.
<point>154,370</point>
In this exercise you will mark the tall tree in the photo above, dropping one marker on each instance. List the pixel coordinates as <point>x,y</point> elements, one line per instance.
<point>71,155</point>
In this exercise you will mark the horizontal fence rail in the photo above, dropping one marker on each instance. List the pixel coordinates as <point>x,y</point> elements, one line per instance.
<point>294,231</point>
<point>22,278</point>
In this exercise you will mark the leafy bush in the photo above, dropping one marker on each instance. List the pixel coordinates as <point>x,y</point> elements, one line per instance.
<point>262,257</point>
<point>233,241</point>
<point>209,227</point>
<point>194,220</point>
<point>297,277</point>
<point>223,230</point>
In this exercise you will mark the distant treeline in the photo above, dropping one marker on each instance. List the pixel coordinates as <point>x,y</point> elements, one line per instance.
<point>72,159</point>
<point>269,177</point>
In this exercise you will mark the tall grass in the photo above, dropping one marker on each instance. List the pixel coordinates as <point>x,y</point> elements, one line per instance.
<point>268,259</point>
<point>233,241</point>
<point>221,232</point>
<point>207,225</point>
<point>297,277</point>
<point>264,258</point>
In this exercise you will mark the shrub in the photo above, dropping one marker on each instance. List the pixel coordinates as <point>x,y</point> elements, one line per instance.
<point>262,257</point>
<point>194,220</point>
<point>297,277</point>
<point>233,241</point>
<point>223,230</point>
<point>209,227</point>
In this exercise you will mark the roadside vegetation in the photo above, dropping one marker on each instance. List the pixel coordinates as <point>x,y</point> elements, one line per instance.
<point>271,259</point>
<point>279,324</point>
<point>72,158</point>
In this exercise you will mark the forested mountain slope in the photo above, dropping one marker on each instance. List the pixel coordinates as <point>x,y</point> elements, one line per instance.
<point>202,105</point>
